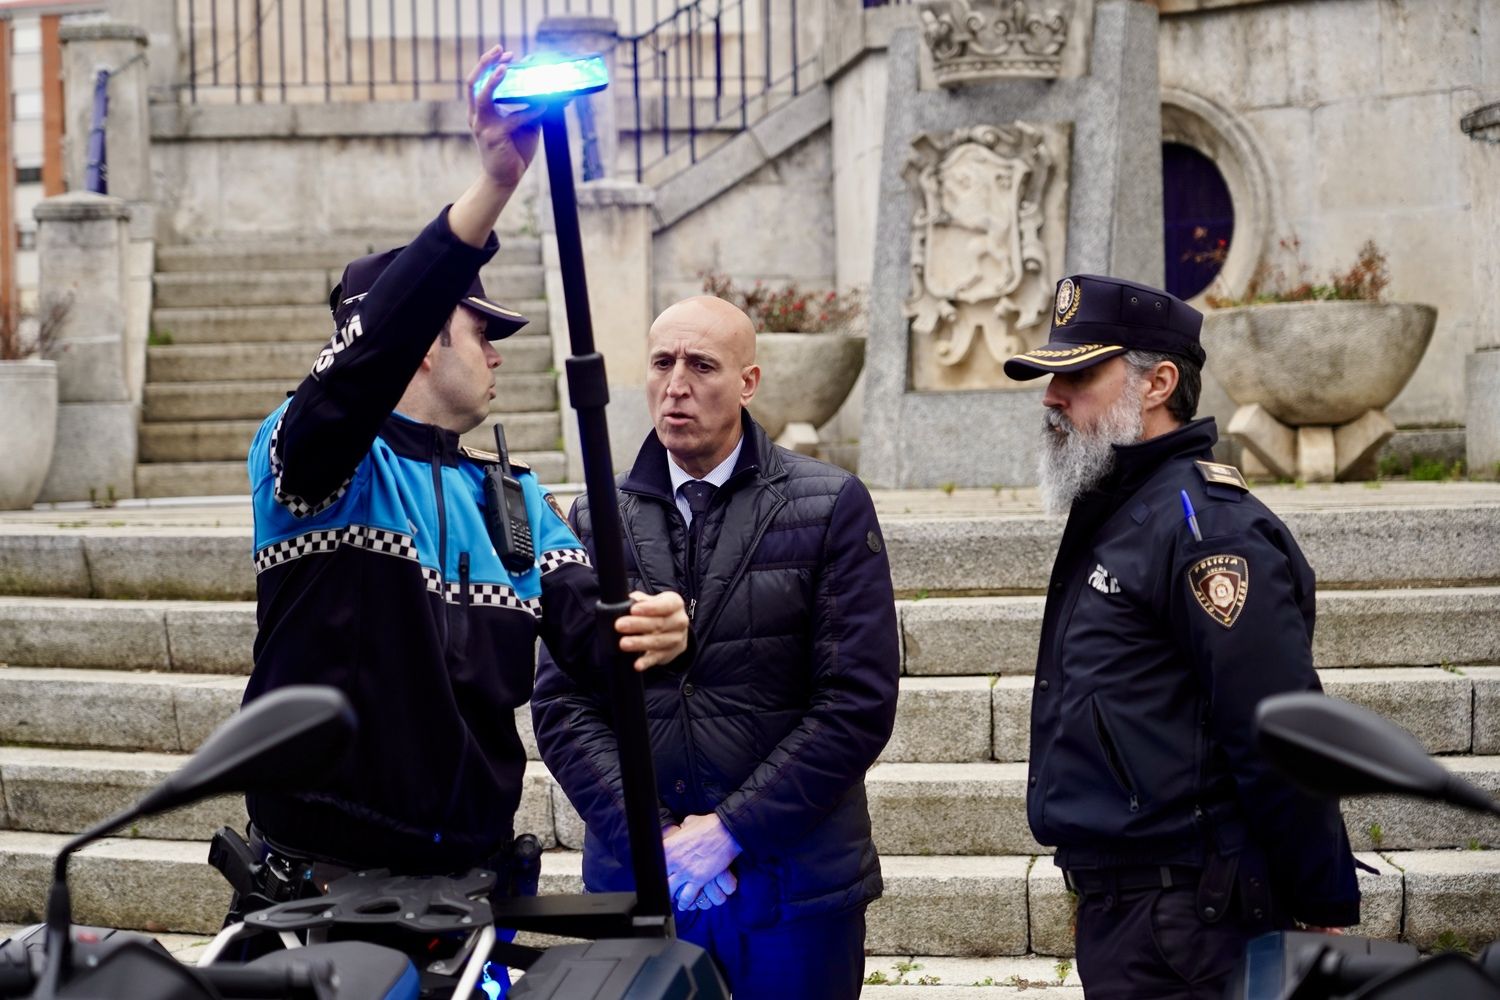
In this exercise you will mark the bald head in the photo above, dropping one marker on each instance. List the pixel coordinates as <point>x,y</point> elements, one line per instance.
<point>700,371</point>
<point>712,319</point>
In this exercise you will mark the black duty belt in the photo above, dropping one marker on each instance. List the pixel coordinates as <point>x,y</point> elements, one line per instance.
<point>1113,881</point>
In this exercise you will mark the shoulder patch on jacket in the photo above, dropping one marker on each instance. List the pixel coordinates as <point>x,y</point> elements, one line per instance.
<point>1221,583</point>
<point>1220,474</point>
<point>490,458</point>
<point>552,502</point>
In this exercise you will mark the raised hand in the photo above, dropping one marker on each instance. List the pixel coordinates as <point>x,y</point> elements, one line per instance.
<point>507,141</point>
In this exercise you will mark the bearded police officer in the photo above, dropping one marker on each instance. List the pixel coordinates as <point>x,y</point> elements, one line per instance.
<point>1177,602</point>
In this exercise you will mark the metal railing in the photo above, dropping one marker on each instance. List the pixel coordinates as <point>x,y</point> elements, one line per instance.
<point>696,71</point>
<point>250,51</point>
<point>719,53</point>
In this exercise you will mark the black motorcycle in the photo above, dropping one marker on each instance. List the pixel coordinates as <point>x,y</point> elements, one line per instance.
<point>1335,748</point>
<point>373,936</point>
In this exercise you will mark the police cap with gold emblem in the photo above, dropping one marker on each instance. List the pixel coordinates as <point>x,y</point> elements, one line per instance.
<point>359,277</point>
<point>1095,318</point>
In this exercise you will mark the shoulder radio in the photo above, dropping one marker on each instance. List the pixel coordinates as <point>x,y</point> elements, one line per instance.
<point>505,512</point>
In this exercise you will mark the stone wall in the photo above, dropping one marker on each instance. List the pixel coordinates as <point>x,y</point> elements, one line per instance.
<point>776,225</point>
<point>266,170</point>
<point>1351,109</point>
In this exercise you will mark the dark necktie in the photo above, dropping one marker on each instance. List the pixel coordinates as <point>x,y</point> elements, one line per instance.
<point>698,495</point>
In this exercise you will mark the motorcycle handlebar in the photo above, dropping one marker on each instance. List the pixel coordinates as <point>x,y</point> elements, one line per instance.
<point>296,981</point>
<point>289,982</point>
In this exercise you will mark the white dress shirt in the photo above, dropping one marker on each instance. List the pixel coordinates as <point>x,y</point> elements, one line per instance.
<point>718,477</point>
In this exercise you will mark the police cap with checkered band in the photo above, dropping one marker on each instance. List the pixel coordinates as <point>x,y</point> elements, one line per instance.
<point>359,277</point>
<point>1095,318</point>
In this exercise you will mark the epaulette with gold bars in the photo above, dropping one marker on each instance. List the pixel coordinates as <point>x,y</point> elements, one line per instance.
<point>490,458</point>
<point>1219,474</point>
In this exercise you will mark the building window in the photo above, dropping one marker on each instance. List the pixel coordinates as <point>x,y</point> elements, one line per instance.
<point>27,105</point>
<point>26,38</point>
<point>28,175</point>
<point>1199,219</point>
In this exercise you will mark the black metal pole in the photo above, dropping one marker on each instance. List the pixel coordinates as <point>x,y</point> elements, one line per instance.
<point>588,390</point>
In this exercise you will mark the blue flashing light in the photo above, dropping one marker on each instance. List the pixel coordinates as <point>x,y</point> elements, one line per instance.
<point>495,982</point>
<point>543,76</point>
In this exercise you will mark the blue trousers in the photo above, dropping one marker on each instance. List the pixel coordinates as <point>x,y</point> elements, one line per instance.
<point>814,958</point>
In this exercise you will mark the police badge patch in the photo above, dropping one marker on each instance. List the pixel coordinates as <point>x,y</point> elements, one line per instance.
<point>552,502</point>
<point>1067,301</point>
<point>1221,583</point>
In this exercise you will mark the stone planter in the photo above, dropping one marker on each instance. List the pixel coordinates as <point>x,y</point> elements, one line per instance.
<point>1312,379</point>
<point>805,378</point>
<point>28,427</point>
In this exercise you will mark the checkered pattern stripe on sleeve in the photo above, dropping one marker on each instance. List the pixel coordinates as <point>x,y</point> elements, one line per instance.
<point>361,536</point>
<point>298,506</point>
<point>485,595</point>
<point>561,557</point>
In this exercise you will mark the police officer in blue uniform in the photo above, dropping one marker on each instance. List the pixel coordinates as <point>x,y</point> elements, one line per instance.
<point>1162,631</point>
<point>376,568</point>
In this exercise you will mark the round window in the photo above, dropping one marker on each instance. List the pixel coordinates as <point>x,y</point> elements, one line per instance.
<point>1199,219</point>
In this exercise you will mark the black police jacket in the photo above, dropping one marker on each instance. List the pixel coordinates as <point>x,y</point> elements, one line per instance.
<point>1155,650</point>
<point>791,695</point>
<point>375,573</point>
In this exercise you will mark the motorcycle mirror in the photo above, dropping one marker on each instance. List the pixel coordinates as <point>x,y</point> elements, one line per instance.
<point>1335,748</point>
<point>286,740</point>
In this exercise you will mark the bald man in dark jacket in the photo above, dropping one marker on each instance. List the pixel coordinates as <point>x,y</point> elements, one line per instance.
<point>762,743</point>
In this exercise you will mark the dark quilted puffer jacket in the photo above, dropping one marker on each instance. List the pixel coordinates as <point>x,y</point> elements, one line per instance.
<point>791,695</point>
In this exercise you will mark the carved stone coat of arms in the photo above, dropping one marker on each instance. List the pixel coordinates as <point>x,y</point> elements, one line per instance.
<point>986,241</point>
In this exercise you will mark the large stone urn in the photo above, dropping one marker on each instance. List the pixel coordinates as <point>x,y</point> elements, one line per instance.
<point>805,378</point>
<point>28,428</point>
<point>1313,379</point>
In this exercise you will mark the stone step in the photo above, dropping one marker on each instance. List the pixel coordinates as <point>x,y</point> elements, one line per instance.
<point>940,719</point>
<point>936,906</point>
<point>939,977</point>
<point>47,790</point>
<point>999,635</point>
<point>287,287</point>
<point>980,809</point>
<point>930,553</point>
<point>1405,544</point>
<point>229,440</point>
<point>283,323</point>
<point>972,809</point>
<point>290,362</point>
<point>217,479</point>
<point>231,289</point>
<point>114,709</point>
<point>244,400</point>
<point>523,432</point>
<point>329,253</point>
<point>1448,712</point>
<point>72,707</point>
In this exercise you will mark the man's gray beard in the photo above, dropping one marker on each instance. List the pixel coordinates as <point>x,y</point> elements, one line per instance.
<point>1073,461</point>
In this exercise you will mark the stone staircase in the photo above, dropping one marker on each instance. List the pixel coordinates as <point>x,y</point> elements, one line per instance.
<point>236,325</point>
<point>128,631</point>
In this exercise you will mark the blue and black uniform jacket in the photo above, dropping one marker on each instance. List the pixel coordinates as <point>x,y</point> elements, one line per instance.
<point>375,573</point>
<point>1155,650</point>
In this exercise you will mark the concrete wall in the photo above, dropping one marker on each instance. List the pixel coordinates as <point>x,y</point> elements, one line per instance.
<point>776,225</point>
<point>1353,107</point>
<point>263,170</point>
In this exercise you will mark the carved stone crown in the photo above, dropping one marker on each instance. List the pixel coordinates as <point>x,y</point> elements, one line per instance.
<point>975,40</point>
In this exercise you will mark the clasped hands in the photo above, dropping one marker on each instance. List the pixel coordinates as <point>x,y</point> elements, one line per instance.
<point>699,853</point>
